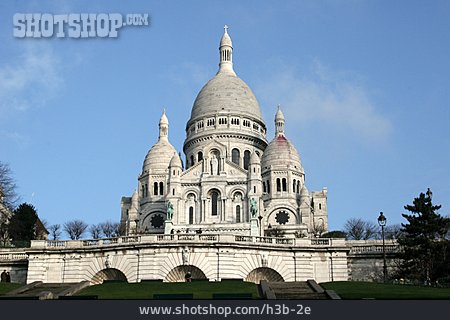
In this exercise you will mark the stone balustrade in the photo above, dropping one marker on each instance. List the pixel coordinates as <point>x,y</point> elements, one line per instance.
<point>13,256</point>
<point>200,238</point>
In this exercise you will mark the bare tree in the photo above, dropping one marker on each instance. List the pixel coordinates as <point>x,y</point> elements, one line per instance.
<point>318,229</point>
<point>4,235</point>
<point>75,229</point>
<point>8,195</point>
<point>110,229</point>
<point>55,231</point>
<point>96,231</point>
<point>358,229</point>
<point>393,232</point>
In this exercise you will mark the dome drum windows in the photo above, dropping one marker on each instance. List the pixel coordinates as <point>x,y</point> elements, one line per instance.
<point>210,122</point>
<point>246,123</point>
<point>235,121</point>
<point>246,159</point>
<point>235,156</point>
<point>281,185</point>
<point>223,121</point>
<point>200,125</point>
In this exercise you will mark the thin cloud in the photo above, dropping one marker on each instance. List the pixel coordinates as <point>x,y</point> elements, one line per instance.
<point>337,100</point>
<point>30,80</point>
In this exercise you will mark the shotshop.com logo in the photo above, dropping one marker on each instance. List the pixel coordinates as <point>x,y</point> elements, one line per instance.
<point>75,25</point>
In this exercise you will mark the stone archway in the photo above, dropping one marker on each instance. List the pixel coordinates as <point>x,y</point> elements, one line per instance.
<point>264,273</point>
<point>108,274</point>
<point>178,274</point>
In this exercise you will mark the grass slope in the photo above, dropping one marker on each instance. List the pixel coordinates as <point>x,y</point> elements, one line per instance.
<point>146,290</point>
<point>367,290</point>
<point>6,287</point>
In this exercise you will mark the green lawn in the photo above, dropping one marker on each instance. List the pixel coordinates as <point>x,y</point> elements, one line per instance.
<point>368,290</point>
<point>145,290</point>
<point>6,287</point>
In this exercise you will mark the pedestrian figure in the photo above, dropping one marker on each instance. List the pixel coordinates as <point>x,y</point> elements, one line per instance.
<point>188,277</point>
<point>3,276</point>
<point>8,277</point>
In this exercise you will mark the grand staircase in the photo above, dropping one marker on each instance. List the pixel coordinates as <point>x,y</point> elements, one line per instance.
<point>307,290</point>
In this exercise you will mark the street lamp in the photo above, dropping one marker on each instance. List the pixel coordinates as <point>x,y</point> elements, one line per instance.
<point>260,226</point>
<point>382,224</point>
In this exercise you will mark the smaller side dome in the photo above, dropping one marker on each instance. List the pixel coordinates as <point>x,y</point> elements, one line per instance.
<point>160,155</point>
<point>175,161</point>
<point>280,152</point>
<point>254,158</point>
<point>304,192</point>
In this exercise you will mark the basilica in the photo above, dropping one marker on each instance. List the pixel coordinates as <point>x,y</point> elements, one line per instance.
<point>233,181</point>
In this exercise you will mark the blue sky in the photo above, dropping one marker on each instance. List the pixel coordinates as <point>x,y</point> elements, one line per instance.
<point>364,86</point>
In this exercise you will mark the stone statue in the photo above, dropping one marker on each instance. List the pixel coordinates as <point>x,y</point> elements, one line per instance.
<point>185,256</point>
<point>169,210</point>
<point>107,262</point>
<point>214,166</point>
<point>253,208</point>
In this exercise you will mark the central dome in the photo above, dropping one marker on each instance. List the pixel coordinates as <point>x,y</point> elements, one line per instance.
<point>226,92</point>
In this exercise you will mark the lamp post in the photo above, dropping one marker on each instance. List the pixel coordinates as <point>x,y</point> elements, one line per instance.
<point>382,224</point>
<point>260,226</point>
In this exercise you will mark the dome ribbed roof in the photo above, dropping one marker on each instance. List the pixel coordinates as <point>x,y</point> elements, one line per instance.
<point>159,156</point>
<point>226,92</point>
<point>280,152</point>
<point>175,161</point>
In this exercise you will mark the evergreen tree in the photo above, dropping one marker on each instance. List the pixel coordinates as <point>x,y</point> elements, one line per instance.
<point>22,226</point>
<point>425,249</point>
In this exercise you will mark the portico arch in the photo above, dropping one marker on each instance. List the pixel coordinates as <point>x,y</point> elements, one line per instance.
<point>108,274</point>
<point>264,273</point>
<point>178,274</point>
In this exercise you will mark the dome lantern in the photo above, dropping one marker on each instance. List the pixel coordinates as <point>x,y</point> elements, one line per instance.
<point>163,126</point>
<point>226,53</point>
<point>279,123</point>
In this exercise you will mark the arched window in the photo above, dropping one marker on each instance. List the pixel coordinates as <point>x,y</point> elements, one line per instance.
<point>268,186</point>
<point>284,184</point>
<point>294,185</point>
<point>192,160</point>
<point>278,185</point>
<point>214,203</point>
<point>142,191</point>
<point>246,159</point>
<point>146,190</point>
<point>264,186</point>
<point>155,188</point>
<point>235,155</point>
<point>199,156</point>
<point>238,214</point>
<point>254,189</point>
<point>298,186</point>
<point>161,188</point>
<point>191,215</point>
<point>320,206</point>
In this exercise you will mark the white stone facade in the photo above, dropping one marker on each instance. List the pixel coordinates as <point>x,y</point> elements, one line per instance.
<point>228,165</point>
